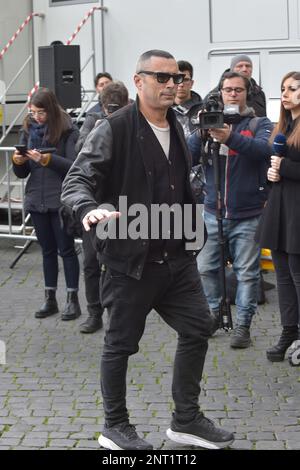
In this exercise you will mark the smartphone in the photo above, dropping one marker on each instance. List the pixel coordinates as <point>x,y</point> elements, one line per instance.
<point>22,148</point>
<point>47,150</point>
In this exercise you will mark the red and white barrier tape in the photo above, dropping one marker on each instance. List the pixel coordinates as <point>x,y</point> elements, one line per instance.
<point>13,38</point>
<point>89,13</point>
<point>33,90</point>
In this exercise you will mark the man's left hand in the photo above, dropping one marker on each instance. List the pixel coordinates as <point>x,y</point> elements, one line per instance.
<point>221,135</point>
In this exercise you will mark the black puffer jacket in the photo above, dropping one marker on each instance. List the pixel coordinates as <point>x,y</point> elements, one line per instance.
<point>187,112</point>
<point>43,187</point>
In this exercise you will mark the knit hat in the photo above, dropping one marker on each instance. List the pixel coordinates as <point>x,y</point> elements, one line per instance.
<point>239,58</point>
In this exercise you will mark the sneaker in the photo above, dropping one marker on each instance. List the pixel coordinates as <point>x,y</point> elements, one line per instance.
<point>240,337</point>
<point>201,432</point>
<point>122,436</point>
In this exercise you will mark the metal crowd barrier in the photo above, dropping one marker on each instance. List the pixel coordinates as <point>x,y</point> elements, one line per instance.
<point>12,191</point>
<point>12,207</point>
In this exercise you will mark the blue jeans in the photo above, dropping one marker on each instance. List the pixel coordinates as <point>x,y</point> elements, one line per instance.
<point>245,254</point>
<point>53,240</point>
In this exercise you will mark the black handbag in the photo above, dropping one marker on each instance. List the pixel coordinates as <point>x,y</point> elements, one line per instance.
<point>71,226</point>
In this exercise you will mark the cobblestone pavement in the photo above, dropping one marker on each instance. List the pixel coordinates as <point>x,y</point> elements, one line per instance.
<point>49,386</point>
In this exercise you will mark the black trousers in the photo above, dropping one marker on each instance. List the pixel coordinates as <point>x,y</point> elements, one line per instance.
<point>91,269</point>
<point>174,290</point>
<point>287,269</point>
<point>54,240</point>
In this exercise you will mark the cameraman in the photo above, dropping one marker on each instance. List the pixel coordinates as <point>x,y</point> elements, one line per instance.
<point>244,157</point>
<point>256,98</point>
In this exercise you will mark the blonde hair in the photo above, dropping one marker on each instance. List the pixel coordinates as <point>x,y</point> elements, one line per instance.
<point>285,116</point>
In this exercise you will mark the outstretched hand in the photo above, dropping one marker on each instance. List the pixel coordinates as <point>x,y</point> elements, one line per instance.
<point>98,216</point>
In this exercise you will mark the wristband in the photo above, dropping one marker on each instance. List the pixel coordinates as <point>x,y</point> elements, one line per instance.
<point>17,162</point>
<point>46,159</point>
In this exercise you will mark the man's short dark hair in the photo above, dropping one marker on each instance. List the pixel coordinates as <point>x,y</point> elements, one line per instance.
<point>101,75</point>
<point>184,65</point>
<point>115,93</point>
<point>152,53</point>
<point>228,75</point>
<point>56,43</point>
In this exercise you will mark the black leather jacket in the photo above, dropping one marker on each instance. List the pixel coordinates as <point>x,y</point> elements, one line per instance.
<point>187,112</point>
<point>114,161</point>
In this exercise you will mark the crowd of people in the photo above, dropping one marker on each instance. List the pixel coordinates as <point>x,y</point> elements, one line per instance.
<point>144,150</point>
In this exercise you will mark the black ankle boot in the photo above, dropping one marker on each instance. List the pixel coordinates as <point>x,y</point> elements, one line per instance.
<point>277,352</point>
<point>72,308</point>
<point>93,323</point>
<point>215,321</point>
<point>49,307</point>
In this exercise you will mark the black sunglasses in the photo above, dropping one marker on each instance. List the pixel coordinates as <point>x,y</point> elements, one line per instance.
<point>163,77</point>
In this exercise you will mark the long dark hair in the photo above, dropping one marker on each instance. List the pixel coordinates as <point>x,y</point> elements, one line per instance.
<point>285,117</point>
<point>58,121</point>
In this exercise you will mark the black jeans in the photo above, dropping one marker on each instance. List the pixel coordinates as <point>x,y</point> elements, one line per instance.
<point>53,240</point>
<point>287,269</point>
<point>174,290</point>
<point>91,269</point>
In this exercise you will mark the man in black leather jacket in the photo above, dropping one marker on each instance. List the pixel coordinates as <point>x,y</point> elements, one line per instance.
<point>140,153</point>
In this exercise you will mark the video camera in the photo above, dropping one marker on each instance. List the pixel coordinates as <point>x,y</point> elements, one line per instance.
<point>214,113</point>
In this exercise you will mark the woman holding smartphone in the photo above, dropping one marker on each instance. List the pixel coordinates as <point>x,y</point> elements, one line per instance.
<point>48,126</point>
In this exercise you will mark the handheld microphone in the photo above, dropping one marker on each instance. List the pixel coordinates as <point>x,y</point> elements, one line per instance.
<point>279,145</point>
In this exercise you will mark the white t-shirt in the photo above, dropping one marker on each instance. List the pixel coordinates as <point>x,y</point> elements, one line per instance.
<point>163,136</point>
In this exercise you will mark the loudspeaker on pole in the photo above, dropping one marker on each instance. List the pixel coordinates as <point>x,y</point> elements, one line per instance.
<point>59,70</point>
